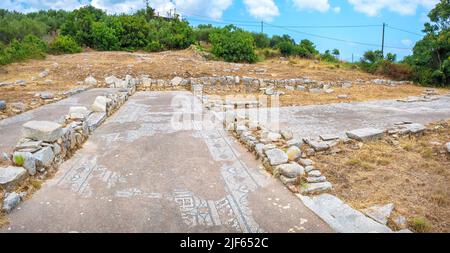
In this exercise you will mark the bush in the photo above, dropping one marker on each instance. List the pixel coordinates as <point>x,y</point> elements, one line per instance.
<point>286,48</point>
<point>31,47</point>
<point>104,37</point>
<point>233,44</point>
<point>397,71</point>
<point>267,53</point>
<point>64,45</point>
<point>154,46</point>
<point>261,40</point>
<point>306,49</point>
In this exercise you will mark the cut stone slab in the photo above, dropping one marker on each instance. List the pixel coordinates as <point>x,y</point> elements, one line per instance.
<point>10,202</point>
<point>379,213</point>
<point>318,145</point>
<point>313,188</point>
<point>42,130</point>
<point>290,170</point>
<point>11,175</point>
<point>340,216</point>
<point>29,145</point>
<point>365,134</point>
<point>329,137</point>
<point>276,156</point>
<point>95,120</point>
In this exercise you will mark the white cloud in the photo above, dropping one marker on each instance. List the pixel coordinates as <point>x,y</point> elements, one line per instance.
<point>315,5</point>
<point>262,9</point>
<point>337,9</point>
<point>208,8</point>
<point>403,7</point>
<point>35,5</point>
<point>407,42</point>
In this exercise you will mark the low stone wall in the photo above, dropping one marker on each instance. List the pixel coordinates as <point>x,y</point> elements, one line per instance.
<point>45,145</point>
<point>280,153</point>
<point>236,83</point>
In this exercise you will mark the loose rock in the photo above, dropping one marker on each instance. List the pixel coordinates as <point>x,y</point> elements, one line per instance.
<point>290,170</point>
<point>306,162</point>
<point>11,175</point>
<point>10,202</point>
<point>100,104</point>
<point>293,153</point>
<point>276,156</point>
<point>2,105</point>
<point>90,80</point>
<point>286,134</point>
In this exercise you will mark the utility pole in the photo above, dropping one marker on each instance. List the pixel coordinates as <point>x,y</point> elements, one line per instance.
<point>262,26</point>
<point>382,41</point>
<point>352,57</point>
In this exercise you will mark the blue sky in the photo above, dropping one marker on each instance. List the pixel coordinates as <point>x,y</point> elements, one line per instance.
<point>409,15</point>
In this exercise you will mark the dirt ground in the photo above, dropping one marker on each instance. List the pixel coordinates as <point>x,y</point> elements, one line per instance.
<point>66,70</point>
<point>413,173</point>
<point>356,93</point>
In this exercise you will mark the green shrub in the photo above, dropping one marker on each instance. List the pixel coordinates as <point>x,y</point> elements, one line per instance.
<point>233,44</point>
<point>154,46</point>
<point>64,45</point>
<point>286,48</point>
<point>306,49</point>
<point>104,37</point>
<point>31,47</point>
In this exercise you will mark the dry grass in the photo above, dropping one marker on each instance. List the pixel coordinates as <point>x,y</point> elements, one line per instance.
<point>162,65</point>
<point>356,93</point>
<point>413,175</point>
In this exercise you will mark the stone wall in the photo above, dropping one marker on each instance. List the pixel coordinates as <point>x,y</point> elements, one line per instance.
<point>45,145</point>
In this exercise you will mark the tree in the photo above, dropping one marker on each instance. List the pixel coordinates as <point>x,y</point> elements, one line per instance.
<point>79,24</point>
<point>391,57</point>
<point>336,53</point>
<point>307,49</point>
<point>286,48</point>
<point>233,44</point>
<point>430,60</point>
<point>261,40</point>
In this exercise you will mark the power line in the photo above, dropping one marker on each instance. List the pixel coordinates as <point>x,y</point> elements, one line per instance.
<point>403,30</point>
<point>337,39</point>
<point>247,23</point>
<point>329,26</point>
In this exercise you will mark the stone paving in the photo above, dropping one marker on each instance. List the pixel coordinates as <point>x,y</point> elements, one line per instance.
<point>136,173</point>
<point>314,120</point>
